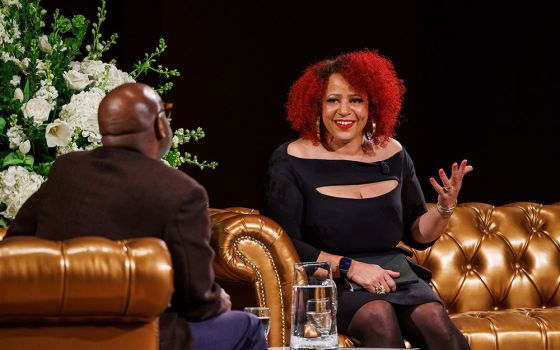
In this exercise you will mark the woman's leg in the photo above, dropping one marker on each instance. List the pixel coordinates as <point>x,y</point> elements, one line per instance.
<point>429,326</point>
<point>376,325</point>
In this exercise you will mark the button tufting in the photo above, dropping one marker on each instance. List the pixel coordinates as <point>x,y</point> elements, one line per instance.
<point>496,308</point>
<point>517,266</point>
<point>469,267</point>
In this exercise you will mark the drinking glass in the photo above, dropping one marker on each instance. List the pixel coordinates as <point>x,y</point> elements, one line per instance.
<point>263,313</point>
<point>319,315</point>
<point>314,304</point>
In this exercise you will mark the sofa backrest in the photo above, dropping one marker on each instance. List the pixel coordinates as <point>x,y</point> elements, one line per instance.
<point>493,258</point>
<point>83,293</point>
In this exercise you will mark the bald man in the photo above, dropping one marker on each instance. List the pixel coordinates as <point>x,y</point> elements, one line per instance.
<point>123,190</point>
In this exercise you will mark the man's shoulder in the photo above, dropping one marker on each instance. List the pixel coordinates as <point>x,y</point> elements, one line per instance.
<point>71,160</point>
<point>172,181</point>
<point>126,165</point>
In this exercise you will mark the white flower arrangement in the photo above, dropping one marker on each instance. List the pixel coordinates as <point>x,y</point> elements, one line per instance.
<point>17,184</point>
<point>49,97</point>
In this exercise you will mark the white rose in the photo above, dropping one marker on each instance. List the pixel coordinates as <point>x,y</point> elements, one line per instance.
<point>116,77</point>
<point>18,94</point>
<point>93,68</point>
<point>37,108</point>
<point>25,147</point>
<point>76,80</point>
<point>44,44</point>
<point>58,133</point>
<point>75,65</point>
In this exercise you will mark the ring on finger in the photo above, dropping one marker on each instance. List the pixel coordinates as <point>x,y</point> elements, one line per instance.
<point>446,189</point>
<point>380,289</point>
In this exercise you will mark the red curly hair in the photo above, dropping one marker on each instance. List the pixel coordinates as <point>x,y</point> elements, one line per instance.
<point>366,71</point>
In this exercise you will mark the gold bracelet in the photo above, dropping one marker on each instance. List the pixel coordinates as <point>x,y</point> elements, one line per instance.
<point>445,212</point>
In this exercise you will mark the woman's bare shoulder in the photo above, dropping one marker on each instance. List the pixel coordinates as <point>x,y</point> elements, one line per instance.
<point>394,146</point>
<point>388,150</point>
<point>302,148</point>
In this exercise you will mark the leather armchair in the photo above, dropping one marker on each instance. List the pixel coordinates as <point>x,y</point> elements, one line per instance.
<point>496,268</point>
<point>84,293</point>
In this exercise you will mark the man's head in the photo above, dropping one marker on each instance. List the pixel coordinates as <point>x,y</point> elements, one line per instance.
<point>132,116</point>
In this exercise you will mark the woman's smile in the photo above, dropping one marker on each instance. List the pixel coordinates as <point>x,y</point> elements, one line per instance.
<point>344,124</point>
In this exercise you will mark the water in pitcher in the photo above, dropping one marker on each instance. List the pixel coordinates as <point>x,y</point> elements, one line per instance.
<point>314,317</point>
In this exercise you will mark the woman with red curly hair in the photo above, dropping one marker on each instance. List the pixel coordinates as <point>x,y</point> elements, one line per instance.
<point>346,192</point>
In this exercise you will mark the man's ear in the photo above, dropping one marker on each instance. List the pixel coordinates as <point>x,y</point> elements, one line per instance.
<point>161,128</point>
<point>163,135</point>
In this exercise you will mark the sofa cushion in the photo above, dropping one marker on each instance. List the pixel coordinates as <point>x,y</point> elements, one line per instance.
<point>511,329</point>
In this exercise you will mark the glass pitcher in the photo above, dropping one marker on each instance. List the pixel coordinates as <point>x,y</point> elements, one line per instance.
<point>314,305</point>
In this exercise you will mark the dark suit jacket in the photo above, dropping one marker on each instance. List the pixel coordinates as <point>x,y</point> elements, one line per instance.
<point>120,193</point>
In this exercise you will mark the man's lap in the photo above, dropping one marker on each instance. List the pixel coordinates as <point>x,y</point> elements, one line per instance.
<point>229,330</point>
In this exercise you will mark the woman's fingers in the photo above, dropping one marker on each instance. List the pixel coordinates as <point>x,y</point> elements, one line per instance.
<point>451,185</point>
<point>391,285</point>
<point>444,180</point>
<point>437,187</point>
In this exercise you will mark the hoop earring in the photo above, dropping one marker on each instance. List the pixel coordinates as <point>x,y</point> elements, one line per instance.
<point>370,135</point>
<point>318,128</point>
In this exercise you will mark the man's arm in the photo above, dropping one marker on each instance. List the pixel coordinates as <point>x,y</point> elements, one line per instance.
<point>197,297</point>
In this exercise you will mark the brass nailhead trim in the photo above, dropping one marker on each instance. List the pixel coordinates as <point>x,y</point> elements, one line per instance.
<point>260,284</point>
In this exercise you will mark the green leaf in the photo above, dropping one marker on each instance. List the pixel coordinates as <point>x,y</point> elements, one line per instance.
<point>28,161</point>
<point>18,158</point>
<point>14,158</point>
<point>43,169</point>
<point>2,124</point>
<point>26,92</point>
<point>3,222</point>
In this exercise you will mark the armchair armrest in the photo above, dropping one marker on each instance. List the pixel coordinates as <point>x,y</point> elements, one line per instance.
<point>255,254</point>
<point>84,279</point>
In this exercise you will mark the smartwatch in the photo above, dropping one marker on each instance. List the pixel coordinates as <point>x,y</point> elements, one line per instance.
<point>344,266</point>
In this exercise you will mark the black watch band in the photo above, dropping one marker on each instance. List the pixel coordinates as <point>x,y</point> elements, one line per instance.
<point>344,265</point>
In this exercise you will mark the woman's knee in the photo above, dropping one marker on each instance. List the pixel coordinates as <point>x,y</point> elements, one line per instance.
<point>376,325</point>
<point>433,318</point>
<point>430,312</point>
<point>378,315</point>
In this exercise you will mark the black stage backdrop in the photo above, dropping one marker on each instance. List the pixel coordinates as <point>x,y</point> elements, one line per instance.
<point>482,82</point>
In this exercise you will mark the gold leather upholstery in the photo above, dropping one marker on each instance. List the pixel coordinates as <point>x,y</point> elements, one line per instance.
<point>83,293</point>
<point>496,268</point>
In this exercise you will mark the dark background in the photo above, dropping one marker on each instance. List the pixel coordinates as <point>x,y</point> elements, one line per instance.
<point>482,79</point>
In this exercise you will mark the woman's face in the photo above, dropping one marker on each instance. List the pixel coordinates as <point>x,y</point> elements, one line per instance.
<point>345,111</point>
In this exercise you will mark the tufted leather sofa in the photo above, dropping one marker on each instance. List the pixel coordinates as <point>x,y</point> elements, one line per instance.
<point>85,293</point>
<point>496,268</point>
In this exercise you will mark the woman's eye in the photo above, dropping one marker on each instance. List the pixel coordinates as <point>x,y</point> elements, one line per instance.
<point>331,100</point>
<point>357,100</point>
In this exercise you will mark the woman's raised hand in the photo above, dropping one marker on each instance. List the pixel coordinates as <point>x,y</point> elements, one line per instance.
<point>373,278</point>
<point>448,192</point>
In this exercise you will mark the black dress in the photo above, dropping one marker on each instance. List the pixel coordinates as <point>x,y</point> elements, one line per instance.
<point>346,226</point>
